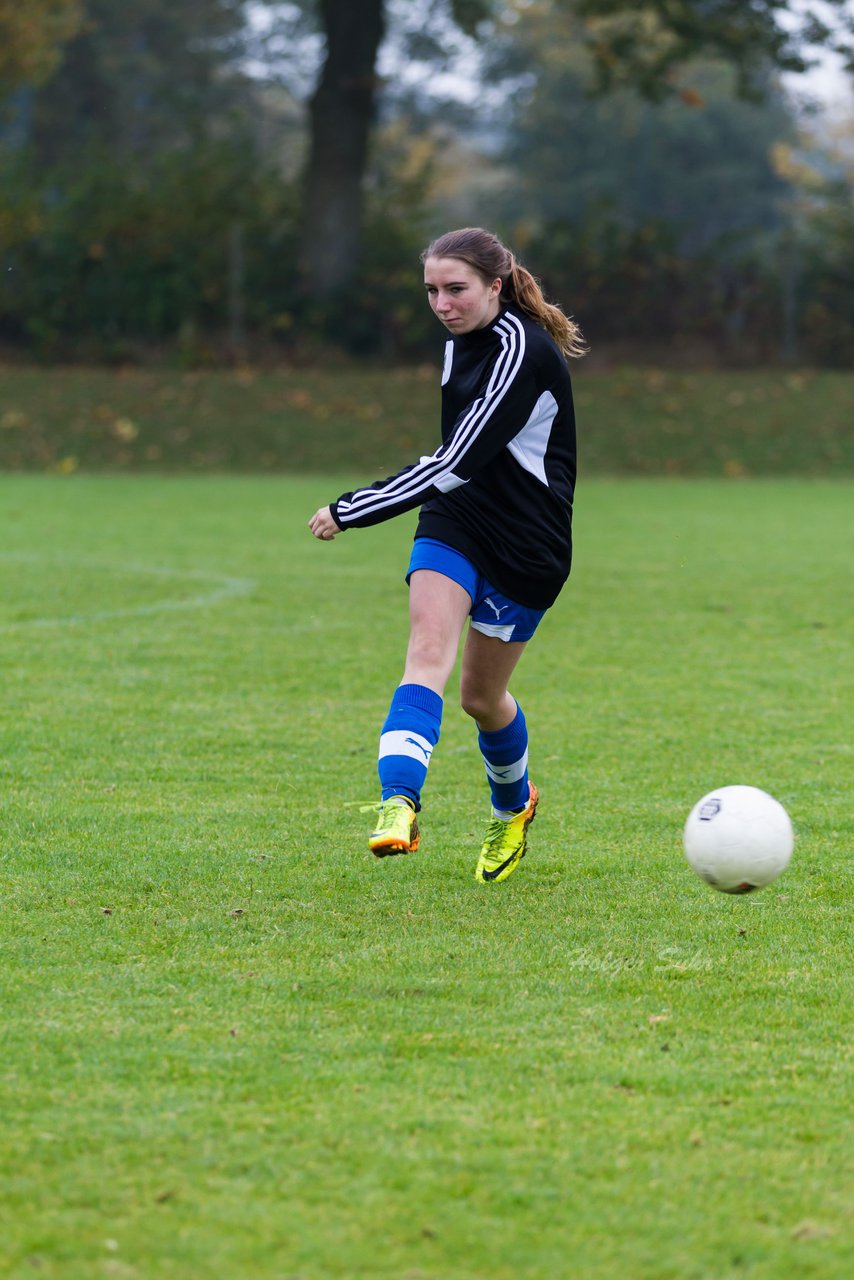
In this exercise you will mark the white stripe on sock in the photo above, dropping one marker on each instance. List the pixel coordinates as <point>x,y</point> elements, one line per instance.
<point>506,773</point>
<point>403,742</point>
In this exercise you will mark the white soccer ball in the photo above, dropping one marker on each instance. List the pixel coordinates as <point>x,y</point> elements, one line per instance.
<point>738,839</point>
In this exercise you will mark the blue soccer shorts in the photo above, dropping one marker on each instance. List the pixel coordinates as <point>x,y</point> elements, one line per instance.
<point>491,612</point>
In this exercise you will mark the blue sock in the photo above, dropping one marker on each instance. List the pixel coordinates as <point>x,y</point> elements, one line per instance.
<point>410,733</point>
<point>505,755</point>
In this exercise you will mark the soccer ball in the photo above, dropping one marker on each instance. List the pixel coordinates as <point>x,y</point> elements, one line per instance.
<point>738,839</point>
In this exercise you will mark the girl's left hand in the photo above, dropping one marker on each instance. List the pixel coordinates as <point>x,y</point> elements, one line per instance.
<point>323,525</point>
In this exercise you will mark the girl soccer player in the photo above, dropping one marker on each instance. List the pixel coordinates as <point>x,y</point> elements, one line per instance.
<point>493,541</point>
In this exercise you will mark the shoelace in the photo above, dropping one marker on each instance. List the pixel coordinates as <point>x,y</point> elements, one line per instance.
<point>496,835</point>
<point>373,807</point>
<point>394,817</point>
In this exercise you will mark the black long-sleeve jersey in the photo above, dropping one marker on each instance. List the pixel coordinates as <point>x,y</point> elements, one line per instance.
<point>500,486</point>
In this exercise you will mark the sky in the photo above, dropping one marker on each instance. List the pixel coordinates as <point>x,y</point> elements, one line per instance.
<point>828,82</point>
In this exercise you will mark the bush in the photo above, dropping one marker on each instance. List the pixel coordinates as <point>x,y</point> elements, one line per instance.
<point>111,255</point>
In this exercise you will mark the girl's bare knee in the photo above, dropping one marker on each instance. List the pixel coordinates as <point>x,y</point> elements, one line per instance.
<point>475,704</point>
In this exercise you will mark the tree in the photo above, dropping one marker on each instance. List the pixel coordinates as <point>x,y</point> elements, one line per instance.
<point>648,217</point>
<point>132,178</point>
<point>641,45</point>
<point>699,161</point>
<point>817,267</point>
<point>31,37</point>
<point>341,114</point>
<point>135,78</point>
<point>631,44</point>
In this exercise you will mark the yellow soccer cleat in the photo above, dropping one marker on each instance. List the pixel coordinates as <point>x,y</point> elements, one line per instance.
<point>397,828</point>
<point>505,843</point>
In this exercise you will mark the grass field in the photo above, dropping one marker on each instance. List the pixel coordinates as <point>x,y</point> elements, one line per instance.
<point>236,1046</point>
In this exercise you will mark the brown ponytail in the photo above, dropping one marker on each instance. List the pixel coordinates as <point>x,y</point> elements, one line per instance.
<point>492,260</point>
<point>525,291</point>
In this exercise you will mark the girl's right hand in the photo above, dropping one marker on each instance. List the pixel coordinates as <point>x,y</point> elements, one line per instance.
<point>323,525</point>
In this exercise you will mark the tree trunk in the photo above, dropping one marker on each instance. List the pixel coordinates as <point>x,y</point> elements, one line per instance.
<point>341,114</point>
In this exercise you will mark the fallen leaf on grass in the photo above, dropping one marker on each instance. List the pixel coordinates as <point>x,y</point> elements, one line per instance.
<point>809,1230</point>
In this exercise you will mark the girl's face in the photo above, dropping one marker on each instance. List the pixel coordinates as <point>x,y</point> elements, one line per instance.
<point>459,296</point>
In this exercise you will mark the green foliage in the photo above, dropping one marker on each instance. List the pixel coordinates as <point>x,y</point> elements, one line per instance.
<point>633,284</point>
<point>825,252</point>
<point>389,298</point>
<point>700,163</point>
<point>668,220</point>
<point>126,179</point>
<point>641,45</point>
<point>114,256</point>
<point>236,1045</point>
<point>32,36</point>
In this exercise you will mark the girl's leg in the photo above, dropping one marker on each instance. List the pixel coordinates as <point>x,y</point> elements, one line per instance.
<point>488,664</point>
<point>438,608</point>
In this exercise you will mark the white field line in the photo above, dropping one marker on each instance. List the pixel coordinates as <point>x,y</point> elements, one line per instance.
<point>222,588</point>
